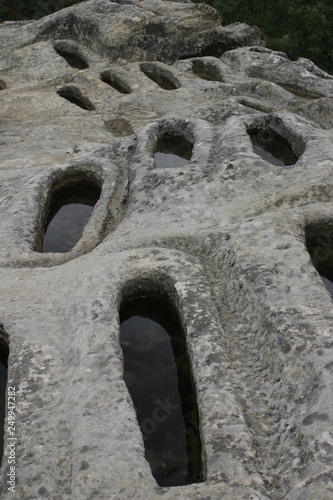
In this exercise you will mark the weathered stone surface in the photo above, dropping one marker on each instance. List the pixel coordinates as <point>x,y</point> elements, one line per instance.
<point>224,235</point>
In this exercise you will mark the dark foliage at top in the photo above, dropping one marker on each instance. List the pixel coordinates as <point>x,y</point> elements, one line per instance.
<point>301,28</point>
<point>17,10</point>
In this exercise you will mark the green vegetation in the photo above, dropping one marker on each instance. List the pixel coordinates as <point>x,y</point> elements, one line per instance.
<point>16,10</point>
<point>301,28</point>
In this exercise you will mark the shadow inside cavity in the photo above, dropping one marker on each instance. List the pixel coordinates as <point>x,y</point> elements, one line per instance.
<point>272,147</point>
<point>172,151</point>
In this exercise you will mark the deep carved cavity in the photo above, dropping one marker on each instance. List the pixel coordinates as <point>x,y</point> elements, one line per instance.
<point>71,56</point>
<point>115,82</point>
<point>158,376</point>
<point>162,77</point>
<point>172,150</point>
<point>272,147</point>
<point>70,207</point>
<point>320,248</point>
<point>74,95</point>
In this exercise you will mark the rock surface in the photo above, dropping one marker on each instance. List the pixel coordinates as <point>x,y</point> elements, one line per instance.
<point>224,235</point>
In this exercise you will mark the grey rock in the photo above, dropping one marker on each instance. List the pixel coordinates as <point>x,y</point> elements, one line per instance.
<point>223,235</point>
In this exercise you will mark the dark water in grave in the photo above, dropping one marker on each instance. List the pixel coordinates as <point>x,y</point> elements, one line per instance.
<point>272,147</point>
<point>172,151</point>
<point>3,387</point>
<point>158,376</point>
<point>322,258</point>
<point>328,283</point>
<point>168,160</point>
<point>267,156</point>
<point>70,210</point>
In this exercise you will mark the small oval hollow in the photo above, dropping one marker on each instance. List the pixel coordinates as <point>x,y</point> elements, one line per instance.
<point>299,92</point>
<point>272,147</point>
<point>115,82</point>
<point>72,57</point>
<point>70,207</point>
<point>2,85</point>
<point>4,353</point>
<point>206,71</point>
<point>158,376</point>
<point>319,244</point>
<point>162,78</point>
<point>73,95</point>
<point>172,151</point>
<point>119,127</point>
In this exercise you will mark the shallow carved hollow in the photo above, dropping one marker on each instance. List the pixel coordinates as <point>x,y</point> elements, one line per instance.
<point>296,89</point>
<point>206,70</point>
<point>119,127</point>
<point>158,376</point>
<point>69,207</point>
<point>299,91</point>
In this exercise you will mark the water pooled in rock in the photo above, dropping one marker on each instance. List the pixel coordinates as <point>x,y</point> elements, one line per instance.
<point>328,283</point>
<point>172,151</point>
<point>321,253</point>
<point>272,147</point>
<point>158,376</point>
<point>165,160</point>
<point>70,210</point>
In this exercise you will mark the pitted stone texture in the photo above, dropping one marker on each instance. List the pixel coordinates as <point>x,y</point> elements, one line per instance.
<point>224,234</point>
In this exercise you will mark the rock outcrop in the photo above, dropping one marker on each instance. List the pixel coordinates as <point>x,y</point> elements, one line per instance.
<point>88,92</point>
